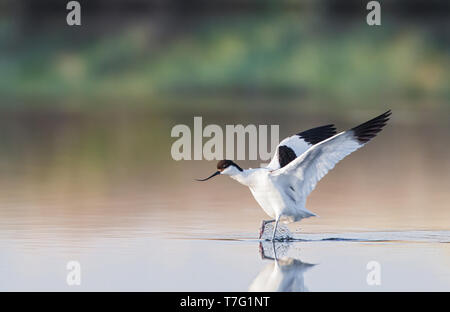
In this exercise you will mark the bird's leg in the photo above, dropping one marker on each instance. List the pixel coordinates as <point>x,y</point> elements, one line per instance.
<point>263,225</point>
<point>275,229</point>
<point>274,252</point>
<point>262,252</point>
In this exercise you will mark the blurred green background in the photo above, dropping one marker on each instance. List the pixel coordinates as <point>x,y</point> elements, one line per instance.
<point>176,54</point>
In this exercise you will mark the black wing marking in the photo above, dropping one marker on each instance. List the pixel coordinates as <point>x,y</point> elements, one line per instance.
<point>366,131</point>
<point>318,134</point>
<point>285,155</point>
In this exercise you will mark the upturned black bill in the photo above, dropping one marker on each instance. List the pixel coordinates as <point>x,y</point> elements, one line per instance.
<point>213,175</point>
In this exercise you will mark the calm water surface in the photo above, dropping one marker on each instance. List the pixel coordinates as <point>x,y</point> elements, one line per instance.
<point>108,194</point>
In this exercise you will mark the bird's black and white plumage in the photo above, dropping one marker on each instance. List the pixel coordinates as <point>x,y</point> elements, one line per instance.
<point>299,163</point>
<point>293,146</point>
<point>285,273</point>
<point>304,172</point>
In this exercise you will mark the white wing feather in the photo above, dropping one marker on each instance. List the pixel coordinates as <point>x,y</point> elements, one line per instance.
<point>294,142</point>
<point>300,143</point>
<point>305,171</point>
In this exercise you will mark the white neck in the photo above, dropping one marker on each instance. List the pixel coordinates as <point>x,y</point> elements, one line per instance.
<point>243,177</point>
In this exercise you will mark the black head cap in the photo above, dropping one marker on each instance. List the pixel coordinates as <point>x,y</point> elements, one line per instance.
<point>224,164</point>
<point>221,166</point>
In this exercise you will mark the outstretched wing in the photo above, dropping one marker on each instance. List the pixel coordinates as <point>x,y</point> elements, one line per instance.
<point>293,146</point>
<point>302,174</point>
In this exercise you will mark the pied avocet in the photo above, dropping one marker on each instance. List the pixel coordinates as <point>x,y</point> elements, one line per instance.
<point>299,162</point>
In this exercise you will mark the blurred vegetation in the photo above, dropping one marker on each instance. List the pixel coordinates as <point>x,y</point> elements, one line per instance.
<point>301,54</point>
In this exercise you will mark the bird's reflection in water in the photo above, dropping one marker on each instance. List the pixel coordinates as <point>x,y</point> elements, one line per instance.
<point>284,273</point>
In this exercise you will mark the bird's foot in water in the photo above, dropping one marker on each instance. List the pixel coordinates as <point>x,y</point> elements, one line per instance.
<point>282,235</point>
